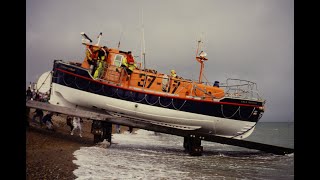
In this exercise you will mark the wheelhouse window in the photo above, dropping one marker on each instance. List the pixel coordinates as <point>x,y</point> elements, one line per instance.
<point>118,60</point>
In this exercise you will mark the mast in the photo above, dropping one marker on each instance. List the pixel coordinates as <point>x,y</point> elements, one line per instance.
<point>83,34</point>
<point>201,58</point>
<point>99,37</point>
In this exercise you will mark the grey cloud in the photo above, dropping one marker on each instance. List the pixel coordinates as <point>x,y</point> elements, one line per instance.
<point>245,39</point>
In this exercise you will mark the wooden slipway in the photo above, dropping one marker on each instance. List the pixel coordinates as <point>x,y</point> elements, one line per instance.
<point>192,137</point>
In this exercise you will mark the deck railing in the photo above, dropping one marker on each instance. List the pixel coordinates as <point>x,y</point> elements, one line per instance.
<point>239,88</point>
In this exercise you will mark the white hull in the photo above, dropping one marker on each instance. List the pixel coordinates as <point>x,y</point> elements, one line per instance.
<point>69,97</point>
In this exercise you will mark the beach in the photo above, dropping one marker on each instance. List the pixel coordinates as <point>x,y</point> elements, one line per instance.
<point>49,154</point>
<point>146,155</point>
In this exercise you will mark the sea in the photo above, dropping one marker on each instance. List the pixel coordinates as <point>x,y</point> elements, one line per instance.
<point>149,155</point>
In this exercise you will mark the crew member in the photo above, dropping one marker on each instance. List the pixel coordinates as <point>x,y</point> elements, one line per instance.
<point>130,58</point>
<point>173,73</point>
<point>29,94</point>
<point>76,125</point>
<point>129,63</point>
<point>47,120</point>
<point>216,84</point>
<point>100,64</point>
<point>92,55</point>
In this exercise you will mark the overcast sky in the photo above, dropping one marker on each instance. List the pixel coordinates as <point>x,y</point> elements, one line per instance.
<point>247,39</point>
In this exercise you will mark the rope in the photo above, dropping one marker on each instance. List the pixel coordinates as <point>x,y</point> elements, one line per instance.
<point>44,80</point>
<point>260,115</point>
<point>152,103</point>
<point>139,100</point>
<point>58,74</point>
<point>164,105</point>
<point>104,92</point>
<point>244,131</point>
<point>80,81</point>
<point>123,94</point>
<point>64,80</point>
<point>90,87</point>
<point>249,115</point>
<point>231,115</point>
<point>180,106</point>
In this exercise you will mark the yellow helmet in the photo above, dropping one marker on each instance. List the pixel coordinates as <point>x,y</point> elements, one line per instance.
<point>173,71</point>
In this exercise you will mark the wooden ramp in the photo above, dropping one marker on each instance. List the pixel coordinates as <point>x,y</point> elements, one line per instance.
<point>250,145</point>
<point>137,123</point>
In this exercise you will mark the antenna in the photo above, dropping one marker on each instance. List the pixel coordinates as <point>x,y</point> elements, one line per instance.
<point>143,48</point>
<point>120,39</point>
<point>197,52</point>
<point>85,36</point>
<point>99,37</point>
<point>199,44</point>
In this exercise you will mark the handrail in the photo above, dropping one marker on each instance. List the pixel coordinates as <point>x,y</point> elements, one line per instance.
<point>238,88</point>
<point>241,89</point>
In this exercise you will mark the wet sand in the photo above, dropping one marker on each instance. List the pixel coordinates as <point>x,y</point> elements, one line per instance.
<point>49,154</point>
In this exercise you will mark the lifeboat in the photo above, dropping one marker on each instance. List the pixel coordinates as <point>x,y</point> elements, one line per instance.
<point>106,85</point>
